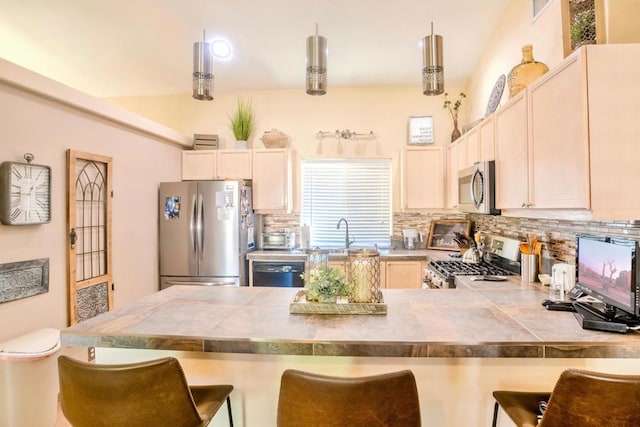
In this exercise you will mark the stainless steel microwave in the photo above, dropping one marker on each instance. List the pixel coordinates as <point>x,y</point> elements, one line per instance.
<point>476,189</point>
<point>278,240</point>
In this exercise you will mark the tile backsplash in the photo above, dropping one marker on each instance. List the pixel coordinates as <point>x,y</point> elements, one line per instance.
<point>557,235</point>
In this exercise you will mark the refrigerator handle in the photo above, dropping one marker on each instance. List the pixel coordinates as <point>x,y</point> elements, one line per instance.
<point>193,225</point>
<point>200,223</point>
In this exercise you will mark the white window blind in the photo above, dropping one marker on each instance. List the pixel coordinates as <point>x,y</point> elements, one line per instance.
<point>358,190</point>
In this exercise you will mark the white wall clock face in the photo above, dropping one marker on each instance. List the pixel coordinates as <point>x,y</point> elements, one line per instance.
<point>25,193</point>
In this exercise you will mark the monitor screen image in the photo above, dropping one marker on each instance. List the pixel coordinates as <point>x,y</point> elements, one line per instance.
<point>606,271</point>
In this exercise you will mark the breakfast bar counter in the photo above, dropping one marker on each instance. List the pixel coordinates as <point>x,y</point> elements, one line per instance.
<point>477,319</point>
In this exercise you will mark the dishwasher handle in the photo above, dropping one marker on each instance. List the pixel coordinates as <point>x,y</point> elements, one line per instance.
<point>274,267</point>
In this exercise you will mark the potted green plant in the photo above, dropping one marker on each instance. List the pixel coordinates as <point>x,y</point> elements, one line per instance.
<point>241,122</point>
<point>326,284</point>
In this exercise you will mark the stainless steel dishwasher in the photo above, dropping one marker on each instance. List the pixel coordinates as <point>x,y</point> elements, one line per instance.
<point>282,274</point>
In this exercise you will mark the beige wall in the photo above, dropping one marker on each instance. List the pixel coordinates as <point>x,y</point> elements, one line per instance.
<point>47,129</point>
<point>384,111</point>
<point>516,29</point>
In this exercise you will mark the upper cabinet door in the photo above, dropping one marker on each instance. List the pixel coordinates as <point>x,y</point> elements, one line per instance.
<point>511,138</point>
<point>423,177</point>
<point>559,138</point>
<point>272,180</point>
<point>199,164</point>
<point>234,164</point>
<point>452,175</point>
<point>487,140</point>
<point>614,132</point>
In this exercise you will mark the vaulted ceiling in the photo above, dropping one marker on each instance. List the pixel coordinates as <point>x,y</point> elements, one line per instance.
<point>145,47</point>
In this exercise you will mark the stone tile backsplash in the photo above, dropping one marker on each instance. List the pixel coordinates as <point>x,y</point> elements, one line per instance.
<point>557,236</point>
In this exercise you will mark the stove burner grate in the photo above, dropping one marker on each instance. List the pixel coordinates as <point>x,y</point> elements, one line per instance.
<point>459,268</point>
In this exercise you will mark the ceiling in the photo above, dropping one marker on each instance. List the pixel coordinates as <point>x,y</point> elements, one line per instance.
<point>145,47</point>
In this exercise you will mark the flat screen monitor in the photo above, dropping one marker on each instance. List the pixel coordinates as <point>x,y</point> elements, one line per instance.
<point>608,271</point>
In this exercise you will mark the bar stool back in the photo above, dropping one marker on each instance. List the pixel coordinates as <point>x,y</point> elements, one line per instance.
<point>153,393</point>
<point>579,399</point>
<point>312,400</point>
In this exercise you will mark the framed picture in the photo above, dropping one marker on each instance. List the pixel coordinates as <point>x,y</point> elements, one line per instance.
<point>420,130</point>
<point>537,7</point>
<point>443,231</point>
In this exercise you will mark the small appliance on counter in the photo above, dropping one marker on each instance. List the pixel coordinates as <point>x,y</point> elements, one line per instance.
<point>278,241</point>
<point>411,238</point>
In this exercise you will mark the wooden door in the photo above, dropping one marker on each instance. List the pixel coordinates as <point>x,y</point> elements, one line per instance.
<point>487,140</point>
<point>512,159</point>
<point>89,230</point>
<point>271,180</point>
<point>199,164</point>
<point>423,177</point>
<point>403,274</point>
<point>452,176</point>
<point>234,164</point>
<point>559,138</point>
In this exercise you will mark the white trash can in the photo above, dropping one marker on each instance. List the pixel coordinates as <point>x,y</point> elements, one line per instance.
<point>29,379</point>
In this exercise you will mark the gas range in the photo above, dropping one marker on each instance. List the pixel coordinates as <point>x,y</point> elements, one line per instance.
<point>500,258</point>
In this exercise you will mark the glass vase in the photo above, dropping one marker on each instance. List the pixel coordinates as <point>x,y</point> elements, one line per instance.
<point>525,72</point>
<point>456,132</point>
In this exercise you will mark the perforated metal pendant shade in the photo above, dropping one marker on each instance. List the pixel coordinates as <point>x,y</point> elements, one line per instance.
<point>433,68</point>
<point>203,78</point>
<point>316,76</point>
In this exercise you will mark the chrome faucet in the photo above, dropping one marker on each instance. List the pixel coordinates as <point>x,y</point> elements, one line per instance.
<point>347,242</point>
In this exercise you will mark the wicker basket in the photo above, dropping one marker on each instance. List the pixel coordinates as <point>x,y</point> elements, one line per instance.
<point>275,139</point>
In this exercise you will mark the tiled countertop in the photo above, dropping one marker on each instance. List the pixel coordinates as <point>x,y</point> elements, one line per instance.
<point>478,319</point>
<point>385,254</point>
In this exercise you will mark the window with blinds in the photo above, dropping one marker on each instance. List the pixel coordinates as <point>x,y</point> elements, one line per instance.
<point>358,190</point>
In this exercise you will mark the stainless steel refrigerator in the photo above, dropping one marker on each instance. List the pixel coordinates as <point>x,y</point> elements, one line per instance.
<point>206,229</point>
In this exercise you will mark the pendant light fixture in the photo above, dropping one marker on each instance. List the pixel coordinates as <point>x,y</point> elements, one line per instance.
<point>316,81</point>
<point>433,69</point>
<point>203,77</point>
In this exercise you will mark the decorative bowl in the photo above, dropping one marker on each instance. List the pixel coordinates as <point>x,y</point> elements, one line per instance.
<point>275,139</point>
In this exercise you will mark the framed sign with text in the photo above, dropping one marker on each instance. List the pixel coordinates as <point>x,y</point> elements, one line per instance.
<point>420,130</point>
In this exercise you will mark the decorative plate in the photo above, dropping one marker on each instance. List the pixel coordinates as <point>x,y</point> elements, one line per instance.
<point>496,95</point>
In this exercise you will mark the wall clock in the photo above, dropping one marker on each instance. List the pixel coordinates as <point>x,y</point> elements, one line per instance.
<point>25,193</point>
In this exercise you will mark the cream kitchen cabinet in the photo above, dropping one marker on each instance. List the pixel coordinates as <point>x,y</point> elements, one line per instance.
<point>452,175</point>
<point>512,160</point>
<point>235,164</point>
<point>614,132</point>
<point>469,149</point>
<point>486,139</point>
<point>580,141</point>
<point>423,177</point>
<point>216,164</point>
<point>272,180</point>
<point>559,136</point>
<point>402,274</point>
<point>394,274</point>
<point>199,164</point>
<point>340,264</point>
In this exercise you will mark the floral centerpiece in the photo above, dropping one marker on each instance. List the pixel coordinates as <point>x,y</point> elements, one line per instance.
<point>326,284</point>
<point>453,110</point>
